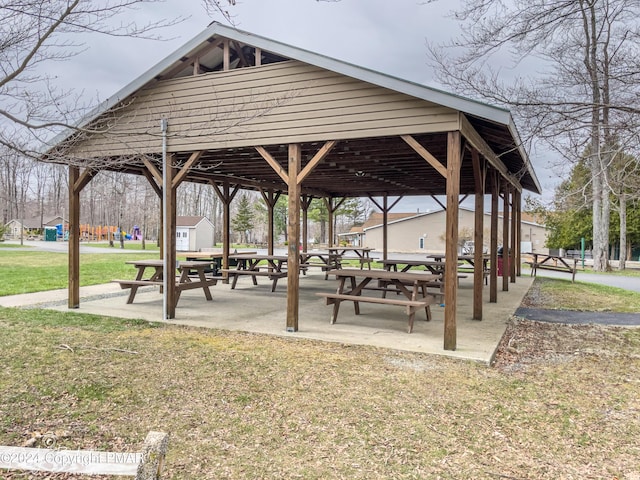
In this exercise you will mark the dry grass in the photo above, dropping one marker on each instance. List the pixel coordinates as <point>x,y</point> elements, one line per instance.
<point>561,402</point>
<point>588,297</point>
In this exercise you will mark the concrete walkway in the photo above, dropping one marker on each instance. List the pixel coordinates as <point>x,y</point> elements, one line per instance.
<point>256,309</point>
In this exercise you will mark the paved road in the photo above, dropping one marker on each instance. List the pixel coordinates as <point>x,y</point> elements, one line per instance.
<point>29,245</point>
<point>628,283</point>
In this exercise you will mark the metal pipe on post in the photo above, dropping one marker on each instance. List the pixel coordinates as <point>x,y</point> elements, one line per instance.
<point>164,123</point>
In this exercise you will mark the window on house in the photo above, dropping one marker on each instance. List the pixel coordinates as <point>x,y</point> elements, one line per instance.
<point>421,243</point>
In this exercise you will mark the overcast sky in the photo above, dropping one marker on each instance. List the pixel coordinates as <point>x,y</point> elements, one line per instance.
<point>385,35</point>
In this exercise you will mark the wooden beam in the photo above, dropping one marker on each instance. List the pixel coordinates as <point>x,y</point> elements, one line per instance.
<point>454,162</point>
<point>518,243</point>
<point>152,181</point>
<point>170,229</point>
<point>74,239</point>
<point>226,57</point>
<point>305,203</point>
<point>258,56</point>
<point>424,153</point>
<point>505,236</point>
<point>514,238</point>
<point>331,209</point>
<point>274,164</point>
<point>475,139</point>
<point>186,61</point>
<point>479,172</point>
<point>226,196</point>
<point>157,174</point>
<point>84,179</point>
<point>437,200</point>
<point>270,198</point>
<point>317,158</point>
<point>184,171</point>
<point>237,46</point>
<point>493,248</point>
<point>293,228</point>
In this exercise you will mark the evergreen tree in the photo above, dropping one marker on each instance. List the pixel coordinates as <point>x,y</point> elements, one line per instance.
<point>242,223</point>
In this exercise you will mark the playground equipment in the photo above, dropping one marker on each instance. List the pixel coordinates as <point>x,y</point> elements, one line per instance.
<point>91,233</point>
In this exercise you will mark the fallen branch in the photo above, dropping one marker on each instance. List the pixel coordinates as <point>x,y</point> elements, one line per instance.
<point>103,349</point>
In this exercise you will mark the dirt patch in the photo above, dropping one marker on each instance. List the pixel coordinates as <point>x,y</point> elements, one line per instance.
<point>528,343</point>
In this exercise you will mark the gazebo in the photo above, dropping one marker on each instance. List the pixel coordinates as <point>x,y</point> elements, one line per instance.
<point>239,111</point>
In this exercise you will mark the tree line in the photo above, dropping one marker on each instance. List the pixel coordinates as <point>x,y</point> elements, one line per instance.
<point>30,190</point>
<point>570,72</point>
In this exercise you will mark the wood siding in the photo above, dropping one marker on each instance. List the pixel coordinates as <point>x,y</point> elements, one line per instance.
<point>266,105</point>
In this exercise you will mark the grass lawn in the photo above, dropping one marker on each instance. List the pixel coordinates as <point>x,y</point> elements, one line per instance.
<point>243,406</point>
<point>560,401</point>
<point>560,294</point>
<point>35,271</point>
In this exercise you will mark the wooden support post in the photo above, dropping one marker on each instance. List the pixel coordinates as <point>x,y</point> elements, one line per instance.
<point>77,182</point>
<point>518,242</point>
<point>493,248</point>
<point>293,228</point>
<point>74,238</point>
<point>226,56</point>
<point>226,196</point>
<point>270,198</point>
<point>479,173</point>
<point>385,208</point>
<point>305,204</point>
<point>329,204</point>
<point>331,210</point>
<point>451,249</point>
<point>170,230</point>
<point>385,226</point>
<point>514,237</point>
<point>505,237</point>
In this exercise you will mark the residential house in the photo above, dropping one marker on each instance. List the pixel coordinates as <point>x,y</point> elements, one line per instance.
<point>425,232</point>
<point>33,227</point>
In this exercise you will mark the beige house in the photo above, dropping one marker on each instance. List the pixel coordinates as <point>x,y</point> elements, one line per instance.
<point>33,227</point>
<point>425,232</point>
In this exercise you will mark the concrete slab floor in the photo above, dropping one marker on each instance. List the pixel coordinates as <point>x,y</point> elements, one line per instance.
<point>256,309</point>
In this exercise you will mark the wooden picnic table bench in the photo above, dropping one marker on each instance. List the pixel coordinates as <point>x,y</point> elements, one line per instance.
<point>271,266</point>
<point>553,262</point>
<point>192,275</point>
<point>361,254</point>
<point>327,261</point>
<point>415,297</point>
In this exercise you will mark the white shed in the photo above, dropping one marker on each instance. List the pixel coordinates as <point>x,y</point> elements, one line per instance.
<point>193,234</point>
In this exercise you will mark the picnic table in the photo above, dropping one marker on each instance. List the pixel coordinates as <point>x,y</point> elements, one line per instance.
<point>435,267</point>
<point>325,260</point>
<point>359,253</point>
<point>553,262</point>
<point>413,287</point>
<point>254,265</point>
<point>470,259</point>
<point>191,275</point>
<point>215,257</point>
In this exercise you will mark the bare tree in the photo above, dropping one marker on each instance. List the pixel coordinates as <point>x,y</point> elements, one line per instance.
<point>36,32</point>
<point>588,88</point>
